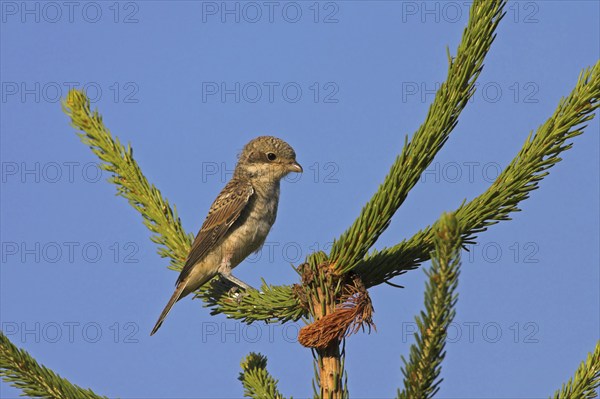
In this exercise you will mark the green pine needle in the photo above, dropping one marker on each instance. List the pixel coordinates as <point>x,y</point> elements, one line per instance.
<point>271,304</point>
<point>20,370</point>
<point>585,383</point>
<point>131,183</point>
<point>523,175</point>
<point>422,370</point>
<point>256,380</point>
<point>451,98</point>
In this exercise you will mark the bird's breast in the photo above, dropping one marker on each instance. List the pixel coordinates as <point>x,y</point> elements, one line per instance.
<point>254,224</point>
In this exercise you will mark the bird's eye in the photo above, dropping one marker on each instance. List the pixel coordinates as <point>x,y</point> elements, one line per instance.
<point>271,156</point>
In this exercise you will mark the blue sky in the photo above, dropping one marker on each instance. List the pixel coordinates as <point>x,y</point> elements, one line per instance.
<point>188,84</point>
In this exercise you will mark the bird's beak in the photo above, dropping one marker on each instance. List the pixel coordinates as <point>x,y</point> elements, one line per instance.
<point>295,167</point>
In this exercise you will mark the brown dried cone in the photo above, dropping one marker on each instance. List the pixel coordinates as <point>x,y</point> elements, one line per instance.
<point>355,312</point>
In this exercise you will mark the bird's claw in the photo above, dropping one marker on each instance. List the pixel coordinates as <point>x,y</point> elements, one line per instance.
<point>236,294</point>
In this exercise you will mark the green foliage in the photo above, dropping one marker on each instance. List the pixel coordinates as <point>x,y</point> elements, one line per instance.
<point>451,98</point>
<point>256,380</point>
<point>423,368</point>
<point>131,183</point>
<point>585,383</point>
<point>349,254</point>
<point>272,303</point>
<point>20,370</point>
<point>523,175</point>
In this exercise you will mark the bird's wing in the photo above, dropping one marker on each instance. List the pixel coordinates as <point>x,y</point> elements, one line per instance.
<point>224,211</point>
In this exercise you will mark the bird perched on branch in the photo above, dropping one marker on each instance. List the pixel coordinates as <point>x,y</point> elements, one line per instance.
<point>239,219</point>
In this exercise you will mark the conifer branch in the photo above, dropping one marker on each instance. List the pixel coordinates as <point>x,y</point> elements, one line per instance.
<point>539,153</point>
<point>273,304</point>
<point>451,98</point>
<point>20,370</point>
<point>131,183</point>
<point>256,380</point>
<point>318,366</point>
<point>585,383</point>
<point>319,298</point>
<point>421,372</point>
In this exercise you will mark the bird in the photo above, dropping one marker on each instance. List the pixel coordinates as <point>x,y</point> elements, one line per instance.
<point>239,219</point>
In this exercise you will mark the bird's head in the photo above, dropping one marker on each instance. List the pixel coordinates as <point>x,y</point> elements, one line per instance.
<point>267,158</point>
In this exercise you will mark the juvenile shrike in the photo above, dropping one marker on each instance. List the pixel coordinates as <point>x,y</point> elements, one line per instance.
<point>239,219</point>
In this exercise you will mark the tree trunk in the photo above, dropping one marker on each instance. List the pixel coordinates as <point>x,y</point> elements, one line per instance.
<point>330,371</point>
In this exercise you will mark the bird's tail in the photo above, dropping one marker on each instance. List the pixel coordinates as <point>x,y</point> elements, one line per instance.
<point>174,298</point>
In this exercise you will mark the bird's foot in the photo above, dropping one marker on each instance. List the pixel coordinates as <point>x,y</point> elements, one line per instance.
<point>236,294</point>
<point>231,278</point>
